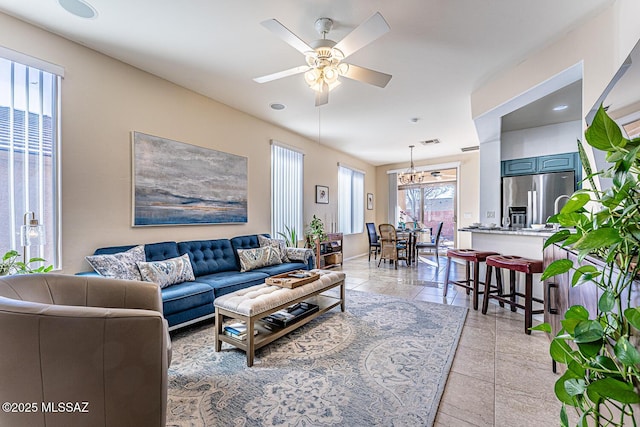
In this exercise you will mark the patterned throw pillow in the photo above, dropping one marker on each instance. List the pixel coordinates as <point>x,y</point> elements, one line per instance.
<point>251,259</point>
<point>122,265</point>
<point>167,272</point>
<point>279,244</point>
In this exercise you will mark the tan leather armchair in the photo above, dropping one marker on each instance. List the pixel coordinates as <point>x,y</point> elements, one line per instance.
<point>66,340</point>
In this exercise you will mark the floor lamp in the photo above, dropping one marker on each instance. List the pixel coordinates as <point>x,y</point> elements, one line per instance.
<point>31,233</point>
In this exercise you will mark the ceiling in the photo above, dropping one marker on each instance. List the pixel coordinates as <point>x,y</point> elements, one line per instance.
<point>541,112</point>
<point>438,51</point>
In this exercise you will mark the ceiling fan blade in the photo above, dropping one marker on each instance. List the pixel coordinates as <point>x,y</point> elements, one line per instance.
<point>285,34</point>
<point>364,34</point>
<point>366,75</point>
<point>281,74</point>
<point>322,97</point>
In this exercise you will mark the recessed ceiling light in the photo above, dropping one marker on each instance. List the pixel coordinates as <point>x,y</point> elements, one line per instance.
<point>560,107</point>
<point>79,8</point>
<point>277,106</point>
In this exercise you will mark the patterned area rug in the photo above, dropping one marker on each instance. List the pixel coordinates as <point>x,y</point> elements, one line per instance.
<point>385,361</point>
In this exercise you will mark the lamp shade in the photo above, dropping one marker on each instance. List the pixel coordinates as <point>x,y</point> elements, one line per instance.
<point>32,233</point>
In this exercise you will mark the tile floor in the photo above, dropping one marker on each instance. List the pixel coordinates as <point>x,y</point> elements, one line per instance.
<point>500,376</point>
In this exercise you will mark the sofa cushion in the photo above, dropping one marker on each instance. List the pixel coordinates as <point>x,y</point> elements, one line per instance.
<point>246,242</point>
<point>250,259</point>
<point>185,296</point>
<point>279,244</point>
<point>210,256</point>
<point>195,313</point>
<point>231,281</point>
<point>122,265</point>
<point>285,267</point>
<point>167,272</point>
<point>110,250</point>
<point>153,251</point>
<point>161,251</point>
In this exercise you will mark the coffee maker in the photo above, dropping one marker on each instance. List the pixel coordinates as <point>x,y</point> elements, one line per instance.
<point>518,216</point>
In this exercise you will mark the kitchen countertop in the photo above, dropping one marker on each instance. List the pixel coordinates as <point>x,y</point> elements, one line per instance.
<point>510,231</point>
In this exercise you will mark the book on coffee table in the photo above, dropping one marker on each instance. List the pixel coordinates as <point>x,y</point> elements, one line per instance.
<point>237,330</point>
<point>291,314</point>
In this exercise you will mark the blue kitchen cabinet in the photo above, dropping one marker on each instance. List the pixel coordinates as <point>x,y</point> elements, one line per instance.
<point>519,166</point>
<point>557,163</point>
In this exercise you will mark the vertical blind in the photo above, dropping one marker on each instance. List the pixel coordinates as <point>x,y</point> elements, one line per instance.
<point>350,200</point>
<point>287,167</point>
<point>392,214</point>
<point>29,103</point>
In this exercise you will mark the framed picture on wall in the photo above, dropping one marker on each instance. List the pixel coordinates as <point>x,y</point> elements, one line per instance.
<point>214,191</point>
<point>370,201</point>
<point>322,194</point>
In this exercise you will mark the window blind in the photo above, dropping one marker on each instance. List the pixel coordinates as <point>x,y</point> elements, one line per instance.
<point>350,200</point>
<point>29,126</point>
<point>287,172</point>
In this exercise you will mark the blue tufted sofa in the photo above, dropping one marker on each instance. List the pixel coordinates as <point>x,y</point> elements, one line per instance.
<point>216,268</point>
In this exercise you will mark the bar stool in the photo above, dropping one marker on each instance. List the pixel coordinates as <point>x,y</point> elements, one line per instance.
<point>470,284</point>
<point>514,264</point>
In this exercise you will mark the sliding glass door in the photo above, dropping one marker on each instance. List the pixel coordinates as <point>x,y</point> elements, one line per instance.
<point>427,204</point>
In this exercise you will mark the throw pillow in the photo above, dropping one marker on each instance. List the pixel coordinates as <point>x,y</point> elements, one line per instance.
<point>280,244</point>
<point>250,259</point>
<point>167,272</point>
<point>122,265</point>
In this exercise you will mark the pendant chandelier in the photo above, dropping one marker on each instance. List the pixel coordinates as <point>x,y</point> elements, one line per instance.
<point>411,176</point>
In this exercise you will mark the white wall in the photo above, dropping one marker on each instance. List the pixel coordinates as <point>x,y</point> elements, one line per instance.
<point>541,141</point>
<point>601,45</point>
<point>490,200</point>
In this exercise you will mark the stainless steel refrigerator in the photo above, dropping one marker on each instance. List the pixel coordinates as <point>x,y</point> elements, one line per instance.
<point>532,197</point>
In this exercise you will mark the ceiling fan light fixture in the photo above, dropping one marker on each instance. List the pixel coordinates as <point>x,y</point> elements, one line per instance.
<point>330,74</point>
<point>323,57</point>
<point>318,85</point>
<point>312,76</point>
<point>343,68</point>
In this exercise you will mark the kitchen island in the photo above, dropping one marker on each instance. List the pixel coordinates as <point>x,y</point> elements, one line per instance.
<point>524,242</point>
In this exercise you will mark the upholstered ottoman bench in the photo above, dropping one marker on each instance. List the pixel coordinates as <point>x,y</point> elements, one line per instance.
<point>252,304</point>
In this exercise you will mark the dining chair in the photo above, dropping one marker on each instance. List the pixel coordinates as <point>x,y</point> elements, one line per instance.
<point>432,245</point>
<point>391,248</point>
<point>374,241</point>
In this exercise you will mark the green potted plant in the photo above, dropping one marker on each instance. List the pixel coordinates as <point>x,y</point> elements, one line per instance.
<point>600,350</point>
<point>290,237</point>
<point>11,265</point>
<point>316,231</point>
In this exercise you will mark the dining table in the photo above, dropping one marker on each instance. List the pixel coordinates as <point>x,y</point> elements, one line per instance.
<point>411,236</point>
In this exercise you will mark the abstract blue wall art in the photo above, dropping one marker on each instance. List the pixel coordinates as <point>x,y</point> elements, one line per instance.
<point>181,184</point>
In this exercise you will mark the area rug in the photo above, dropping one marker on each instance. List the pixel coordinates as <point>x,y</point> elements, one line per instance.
<point>384,361</point>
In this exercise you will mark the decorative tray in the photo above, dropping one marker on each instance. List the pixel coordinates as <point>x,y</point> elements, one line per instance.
<point>292,279</point>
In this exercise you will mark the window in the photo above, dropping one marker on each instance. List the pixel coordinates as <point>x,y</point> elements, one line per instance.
<point>350,200</point>
<point>426,205</point>
<point>286,190</point>
<point>28,154</point>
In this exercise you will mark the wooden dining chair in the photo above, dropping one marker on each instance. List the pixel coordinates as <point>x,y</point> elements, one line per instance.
<point>391,248</point>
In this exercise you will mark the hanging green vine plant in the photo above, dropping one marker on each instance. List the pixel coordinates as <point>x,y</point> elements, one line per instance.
<point>600,350</point>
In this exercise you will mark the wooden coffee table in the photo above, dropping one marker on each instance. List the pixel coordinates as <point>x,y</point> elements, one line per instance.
<point>252,304</point>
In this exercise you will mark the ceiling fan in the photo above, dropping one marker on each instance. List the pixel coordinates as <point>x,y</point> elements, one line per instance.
<point>324,57</point>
